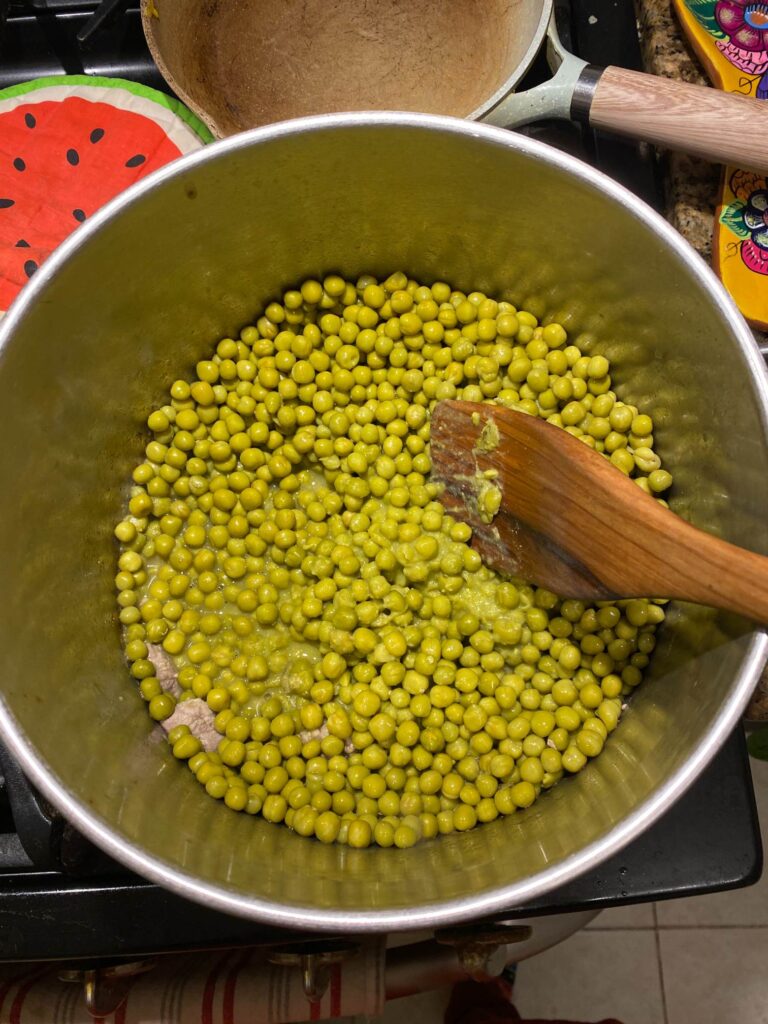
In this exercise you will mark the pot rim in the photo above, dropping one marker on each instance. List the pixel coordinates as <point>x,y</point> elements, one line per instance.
<point>218,897</point>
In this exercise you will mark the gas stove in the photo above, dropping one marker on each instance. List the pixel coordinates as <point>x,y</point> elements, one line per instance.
<point>60,899</point>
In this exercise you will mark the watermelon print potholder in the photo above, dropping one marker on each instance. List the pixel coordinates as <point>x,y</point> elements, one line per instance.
<point>69,144</point>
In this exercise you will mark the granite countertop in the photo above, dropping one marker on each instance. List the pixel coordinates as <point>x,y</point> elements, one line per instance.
<point>691,184</point>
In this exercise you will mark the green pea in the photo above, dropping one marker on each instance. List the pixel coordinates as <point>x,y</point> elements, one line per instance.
<point>542,723</point>
<point>659,480</point>
<point>589,743</point>
<point>464,818</point>
<point>161,706</point>
<point>523,794</point>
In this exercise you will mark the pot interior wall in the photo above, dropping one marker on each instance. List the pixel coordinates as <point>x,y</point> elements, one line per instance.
<point>194,257</point>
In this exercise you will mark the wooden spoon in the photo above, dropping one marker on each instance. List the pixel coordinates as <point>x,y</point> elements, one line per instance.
<point>573,523</point>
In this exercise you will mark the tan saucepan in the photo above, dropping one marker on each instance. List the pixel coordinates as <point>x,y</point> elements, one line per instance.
<point>243,63</point>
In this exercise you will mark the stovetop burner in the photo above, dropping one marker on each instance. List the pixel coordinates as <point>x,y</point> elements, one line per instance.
<point>62,899</point>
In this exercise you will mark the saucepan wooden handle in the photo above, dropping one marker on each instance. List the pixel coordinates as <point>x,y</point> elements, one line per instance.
<point>719,126</point>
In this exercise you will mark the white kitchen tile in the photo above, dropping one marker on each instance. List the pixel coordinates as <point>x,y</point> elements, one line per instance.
<point>738,906</point>
<point>592,976</point>
<point>715,975</point>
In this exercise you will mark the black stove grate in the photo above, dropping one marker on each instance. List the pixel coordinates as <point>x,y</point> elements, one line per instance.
<point>39,38</point>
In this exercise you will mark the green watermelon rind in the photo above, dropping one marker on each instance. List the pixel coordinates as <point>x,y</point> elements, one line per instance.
<point>187,136</point>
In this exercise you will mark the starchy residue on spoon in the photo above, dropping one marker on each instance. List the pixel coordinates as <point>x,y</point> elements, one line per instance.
<point>488,493</point>
<point>488,498</point>
<point>489,437</point>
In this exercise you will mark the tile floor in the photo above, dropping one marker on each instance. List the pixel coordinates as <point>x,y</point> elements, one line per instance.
<point>702,960</point>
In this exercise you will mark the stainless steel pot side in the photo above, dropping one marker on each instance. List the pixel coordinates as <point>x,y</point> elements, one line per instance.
<point>137,295</point>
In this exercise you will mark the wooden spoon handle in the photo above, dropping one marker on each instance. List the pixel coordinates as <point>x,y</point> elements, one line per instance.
<point>702,568</point>
<point>724,127</point>
<point>662,554</point>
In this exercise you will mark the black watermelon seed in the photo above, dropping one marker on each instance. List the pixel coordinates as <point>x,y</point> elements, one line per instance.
<point>29,120</point>
<point>22,244</point>
<point>30,267</point>
<point>5,203</point>
<point>19,164</point>
<point>135,161</point>
<point>79,215</point>
<point>73,157</point>
<point>97,135</point>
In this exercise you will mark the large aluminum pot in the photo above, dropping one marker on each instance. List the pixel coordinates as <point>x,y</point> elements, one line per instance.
<point>136,296</point>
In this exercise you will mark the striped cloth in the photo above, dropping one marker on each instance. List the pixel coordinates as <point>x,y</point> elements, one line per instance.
<point>234,987</point>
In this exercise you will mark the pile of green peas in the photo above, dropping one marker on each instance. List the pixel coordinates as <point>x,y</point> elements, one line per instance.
<point>369,679</point>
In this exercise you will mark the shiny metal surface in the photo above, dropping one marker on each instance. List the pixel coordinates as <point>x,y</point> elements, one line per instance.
<point>137,295</point>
